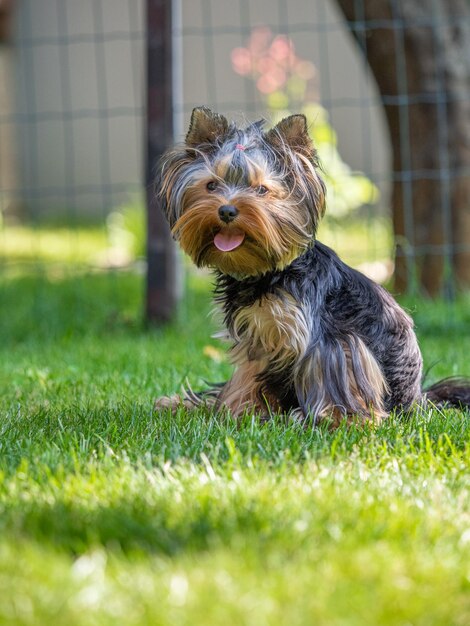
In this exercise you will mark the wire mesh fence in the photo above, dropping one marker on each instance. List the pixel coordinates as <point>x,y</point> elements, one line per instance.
<point>385,86</point>
<point>73,117</point>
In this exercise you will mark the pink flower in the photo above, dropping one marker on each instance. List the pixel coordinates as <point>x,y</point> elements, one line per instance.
<point>241,61</point>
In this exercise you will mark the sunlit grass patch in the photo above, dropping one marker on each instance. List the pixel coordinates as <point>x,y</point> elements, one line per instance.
<point>47,244</point>
<point>358,240</point>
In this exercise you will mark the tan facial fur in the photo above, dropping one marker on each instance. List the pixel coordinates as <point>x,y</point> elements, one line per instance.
<point>273,235</point>
<point>270,177</point>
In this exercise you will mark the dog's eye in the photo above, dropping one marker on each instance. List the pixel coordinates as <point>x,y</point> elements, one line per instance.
<point>211,185</point>
<point>261,190</point>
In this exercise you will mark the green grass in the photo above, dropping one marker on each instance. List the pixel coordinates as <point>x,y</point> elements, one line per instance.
<point>113,514</point>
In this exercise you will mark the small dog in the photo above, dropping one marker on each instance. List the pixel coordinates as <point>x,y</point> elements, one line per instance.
<point>311,336</point>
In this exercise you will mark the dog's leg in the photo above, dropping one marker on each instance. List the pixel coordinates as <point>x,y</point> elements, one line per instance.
<point>341,380</point>
<point>244,392</point>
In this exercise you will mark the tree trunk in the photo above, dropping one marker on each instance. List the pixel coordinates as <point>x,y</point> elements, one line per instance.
<point>419,53</point>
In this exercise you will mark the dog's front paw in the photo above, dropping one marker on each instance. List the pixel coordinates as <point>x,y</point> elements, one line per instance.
<point>172,403</point>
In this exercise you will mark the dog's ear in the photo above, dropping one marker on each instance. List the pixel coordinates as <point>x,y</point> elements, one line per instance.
<point>293,131</point>
<point>205,127</point>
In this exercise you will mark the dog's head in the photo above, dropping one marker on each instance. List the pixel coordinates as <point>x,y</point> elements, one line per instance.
<point>243,201</point>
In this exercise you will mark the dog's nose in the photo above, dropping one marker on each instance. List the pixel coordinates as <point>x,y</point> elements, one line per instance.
<point>228,212</point>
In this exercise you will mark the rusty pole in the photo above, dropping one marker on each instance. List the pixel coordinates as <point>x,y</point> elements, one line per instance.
<point>162,268</point>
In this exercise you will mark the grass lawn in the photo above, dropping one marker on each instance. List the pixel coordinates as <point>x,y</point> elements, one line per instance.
<point>113,514</point>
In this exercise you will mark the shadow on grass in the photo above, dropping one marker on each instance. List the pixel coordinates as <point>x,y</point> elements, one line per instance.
<point>132,526</point>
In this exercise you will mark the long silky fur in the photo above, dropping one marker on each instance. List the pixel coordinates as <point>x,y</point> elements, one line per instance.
<point>362,355</point>
<point>310,335</point>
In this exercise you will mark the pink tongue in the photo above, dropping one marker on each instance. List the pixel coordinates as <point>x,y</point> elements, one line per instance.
<point>228,240</point>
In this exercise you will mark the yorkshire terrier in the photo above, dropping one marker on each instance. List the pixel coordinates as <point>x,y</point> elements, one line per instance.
<point>311,337</point>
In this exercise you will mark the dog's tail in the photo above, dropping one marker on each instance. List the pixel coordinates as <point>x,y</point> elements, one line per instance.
<point>450,392</point>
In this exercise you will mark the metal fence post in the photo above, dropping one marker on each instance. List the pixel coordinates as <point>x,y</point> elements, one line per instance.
<point>162,268</point>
